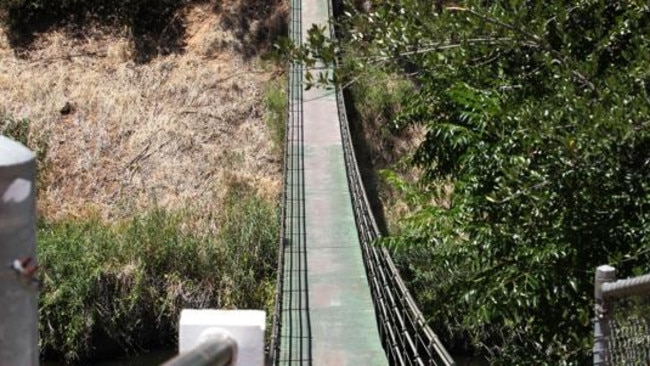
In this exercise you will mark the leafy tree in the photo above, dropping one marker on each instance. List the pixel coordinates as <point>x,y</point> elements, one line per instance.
<point>538,117</point>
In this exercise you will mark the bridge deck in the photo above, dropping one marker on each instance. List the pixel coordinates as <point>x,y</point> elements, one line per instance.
<point>344,330</point>
<point>328,316</point>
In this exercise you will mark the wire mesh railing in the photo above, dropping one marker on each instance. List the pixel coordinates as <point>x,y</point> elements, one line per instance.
<point>406,337</point>
<point>290,338</point>
<point>622,323</point>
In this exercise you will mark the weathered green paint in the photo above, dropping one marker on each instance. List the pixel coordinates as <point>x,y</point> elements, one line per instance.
<point>328,315</point>
<point>344,330</point>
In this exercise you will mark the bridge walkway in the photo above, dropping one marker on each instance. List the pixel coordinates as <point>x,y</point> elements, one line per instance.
<point>328,316</point>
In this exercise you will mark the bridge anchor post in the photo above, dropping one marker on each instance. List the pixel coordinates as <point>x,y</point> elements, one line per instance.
<point>220,337</point>
<point>19,284</point>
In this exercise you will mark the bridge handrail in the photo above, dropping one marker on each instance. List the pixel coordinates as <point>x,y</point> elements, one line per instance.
<point>218,351</point>
<point>626,287</point>
<point>621,326</point>
<point>293,71</point>
<point>406,337</point>
<point>397,310</point>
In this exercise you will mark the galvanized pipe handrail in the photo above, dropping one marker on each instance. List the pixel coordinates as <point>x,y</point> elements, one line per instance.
<point>274,348</point>
<point>626,287</point>
<point>215,351</point>
<point>609,348</point>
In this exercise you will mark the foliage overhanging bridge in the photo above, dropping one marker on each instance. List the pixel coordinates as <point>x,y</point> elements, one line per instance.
<point>340,299</point>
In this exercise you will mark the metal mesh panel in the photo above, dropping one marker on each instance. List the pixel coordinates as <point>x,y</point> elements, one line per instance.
<point>629,323</point>
<point>621,327</point>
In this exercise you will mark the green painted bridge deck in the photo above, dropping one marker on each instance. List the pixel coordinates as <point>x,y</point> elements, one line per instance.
<point>327,315</point>
<point>344,326</point>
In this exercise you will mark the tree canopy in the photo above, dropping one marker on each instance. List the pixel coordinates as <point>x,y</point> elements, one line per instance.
<point>537,117</point>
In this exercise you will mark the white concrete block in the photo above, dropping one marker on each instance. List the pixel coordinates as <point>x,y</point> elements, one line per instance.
<point>245,326</point>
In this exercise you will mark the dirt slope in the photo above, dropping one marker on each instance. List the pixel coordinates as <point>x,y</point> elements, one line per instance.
<point>123,136</point>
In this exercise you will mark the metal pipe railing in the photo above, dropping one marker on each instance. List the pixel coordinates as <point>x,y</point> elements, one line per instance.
<point>291,262</point>
<point>218,350</point>
<point>621,330</point>
<point>626,287</point>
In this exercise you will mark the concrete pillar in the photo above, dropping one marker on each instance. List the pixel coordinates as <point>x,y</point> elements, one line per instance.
<point>18,289</point>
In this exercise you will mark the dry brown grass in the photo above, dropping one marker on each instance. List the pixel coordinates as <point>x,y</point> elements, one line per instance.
<point>170,132</point>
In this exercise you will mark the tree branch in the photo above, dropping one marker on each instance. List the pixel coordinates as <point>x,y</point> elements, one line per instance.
<point>536,40</point>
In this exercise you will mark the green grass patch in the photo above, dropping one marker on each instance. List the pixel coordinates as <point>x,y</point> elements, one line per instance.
<point>275,101</point>
<point>379,96</point>
<point>118,288</point>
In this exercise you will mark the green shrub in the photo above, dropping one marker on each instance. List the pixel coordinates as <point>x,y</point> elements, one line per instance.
<point>15,128</point>
<point>549,168</point>
<point>111,289</point>
<point>379,96</point>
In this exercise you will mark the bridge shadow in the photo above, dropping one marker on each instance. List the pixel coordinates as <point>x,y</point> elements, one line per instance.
<point>297,331</point>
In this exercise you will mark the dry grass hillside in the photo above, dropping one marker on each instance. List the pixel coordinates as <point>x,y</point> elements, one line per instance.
<point>124,136</point>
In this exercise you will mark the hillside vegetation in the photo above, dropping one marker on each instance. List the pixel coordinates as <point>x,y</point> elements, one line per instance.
<point>158,128</point>
<point>532,164</point>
